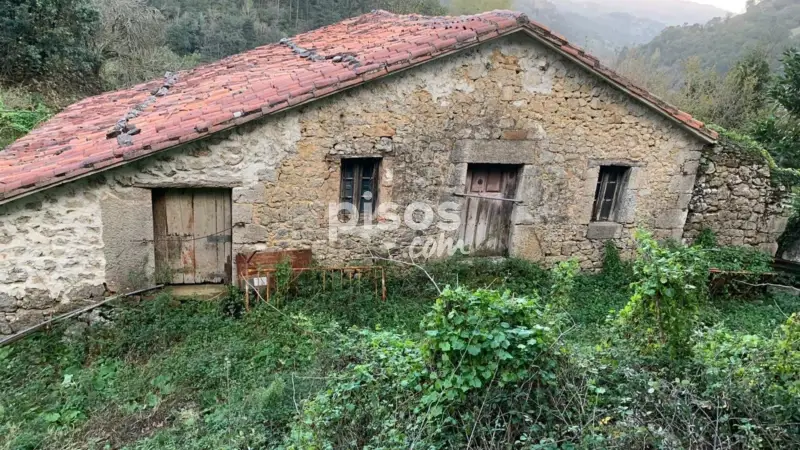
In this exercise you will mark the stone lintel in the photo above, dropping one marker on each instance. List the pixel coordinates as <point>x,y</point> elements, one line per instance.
<point>614,162</point>
<point>494,151</point>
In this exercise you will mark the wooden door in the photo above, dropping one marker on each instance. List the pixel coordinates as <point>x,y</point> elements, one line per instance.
<point>489,201</point>
<point>192,235</point>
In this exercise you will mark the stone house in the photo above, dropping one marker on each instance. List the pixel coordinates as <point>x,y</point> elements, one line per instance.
<point>518,143</point>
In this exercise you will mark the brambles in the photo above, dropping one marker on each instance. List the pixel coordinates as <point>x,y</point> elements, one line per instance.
<point>484,355</point>
<point>488,368</point>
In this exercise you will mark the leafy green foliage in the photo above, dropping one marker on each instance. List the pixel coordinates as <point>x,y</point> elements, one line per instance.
<point>613,266</point>
<point>482,353</point>
<point>341,368</point>
<point>739,259</point>
<point>733,100</point>
<point>232,304</point>
<point>749,372</point>
<point>786,90</point>
<point>15,122</point>
<point>780,132</point>
<point>563,275</point>
<point>474,338</point>
<point>48,41</point>
<point>371,402</point>
<point>666,295</point>
<point>706,238</point>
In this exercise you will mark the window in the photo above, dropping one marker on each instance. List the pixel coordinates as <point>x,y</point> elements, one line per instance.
<point>360,182</point>
<point>610,185</point>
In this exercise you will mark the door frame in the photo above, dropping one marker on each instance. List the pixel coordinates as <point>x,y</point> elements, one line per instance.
<point>159,204</point>
<point>503,196</point>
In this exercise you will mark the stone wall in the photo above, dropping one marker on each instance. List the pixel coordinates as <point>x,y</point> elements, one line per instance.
<point>511,101</point>
<point>736,199</point>
<point>52,254</point>
<point>69,245</point>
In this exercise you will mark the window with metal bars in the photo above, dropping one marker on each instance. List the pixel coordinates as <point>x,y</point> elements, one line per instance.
<point>360,183</point>
<point>610,184</point>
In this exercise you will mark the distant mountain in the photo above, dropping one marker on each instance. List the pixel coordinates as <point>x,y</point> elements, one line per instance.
<point>670,12</point>
<point>771,26</point>
<point>608,27</point>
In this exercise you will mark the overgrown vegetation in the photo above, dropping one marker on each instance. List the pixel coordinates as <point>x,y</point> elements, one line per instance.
<point>20,112</point>
<point>509,356</point>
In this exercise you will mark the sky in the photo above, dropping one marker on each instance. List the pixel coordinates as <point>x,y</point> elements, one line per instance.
<point>736,6</point>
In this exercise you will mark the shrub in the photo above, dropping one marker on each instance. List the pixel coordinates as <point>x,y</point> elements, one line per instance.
<point>18,120</point>
<point>751,384</point>
<point>232,305</point>
<point>739,259</point>
<point>485,356</point>
<point>706,238</point>
<point>371,403</point>
<point>670,283</point>
<point>476,338</point>
<point>563,275</point>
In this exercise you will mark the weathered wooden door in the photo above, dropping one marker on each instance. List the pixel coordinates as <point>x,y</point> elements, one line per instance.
<point>192,235</point>
<point>489,201</point>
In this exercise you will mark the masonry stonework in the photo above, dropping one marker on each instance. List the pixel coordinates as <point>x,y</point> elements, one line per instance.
<point>511,101</point>
<point>735,197</point>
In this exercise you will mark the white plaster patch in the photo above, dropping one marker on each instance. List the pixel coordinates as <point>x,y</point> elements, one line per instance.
<point>52,241</point>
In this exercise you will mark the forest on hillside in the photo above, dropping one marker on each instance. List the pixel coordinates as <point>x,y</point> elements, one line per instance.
<point>769,26</point>
<point>740,73</point>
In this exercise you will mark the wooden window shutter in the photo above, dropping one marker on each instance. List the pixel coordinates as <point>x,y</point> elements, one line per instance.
<point>359,183</point>
<point>609,187</point>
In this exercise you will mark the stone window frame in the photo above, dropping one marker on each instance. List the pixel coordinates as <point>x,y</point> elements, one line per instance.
<point>618,175</point>
<point>359,162</point>
<point>626,201</point>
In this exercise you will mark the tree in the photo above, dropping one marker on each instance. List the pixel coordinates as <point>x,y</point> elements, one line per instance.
<point>786,90</point>
<point>132,42</point>
<point>780,132</point>
<point>48,41</point>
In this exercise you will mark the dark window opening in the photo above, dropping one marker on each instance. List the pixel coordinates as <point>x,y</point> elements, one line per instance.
<point>360,183</point>
<point>610,185</point>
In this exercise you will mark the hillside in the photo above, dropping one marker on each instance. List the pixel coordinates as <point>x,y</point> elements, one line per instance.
<point>772,26</point>
<point>670,12</point>
<point>607,28</point>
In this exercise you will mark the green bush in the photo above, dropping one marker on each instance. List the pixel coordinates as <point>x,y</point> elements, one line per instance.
<point>563,275</point>
<point>670,284</point>
<point>484,355</point>
<point>706,238</point>
<point>17,121</point>
<point>753,383</point>
<point>475,338</point>
<point>737,259</point>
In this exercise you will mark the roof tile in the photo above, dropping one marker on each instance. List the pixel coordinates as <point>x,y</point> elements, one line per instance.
<point>262,81</point>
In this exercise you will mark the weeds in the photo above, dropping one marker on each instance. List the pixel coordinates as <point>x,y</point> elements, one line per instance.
<point>196,375</point>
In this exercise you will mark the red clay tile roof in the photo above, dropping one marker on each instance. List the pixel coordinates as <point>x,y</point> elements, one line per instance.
<point>114,128</point>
